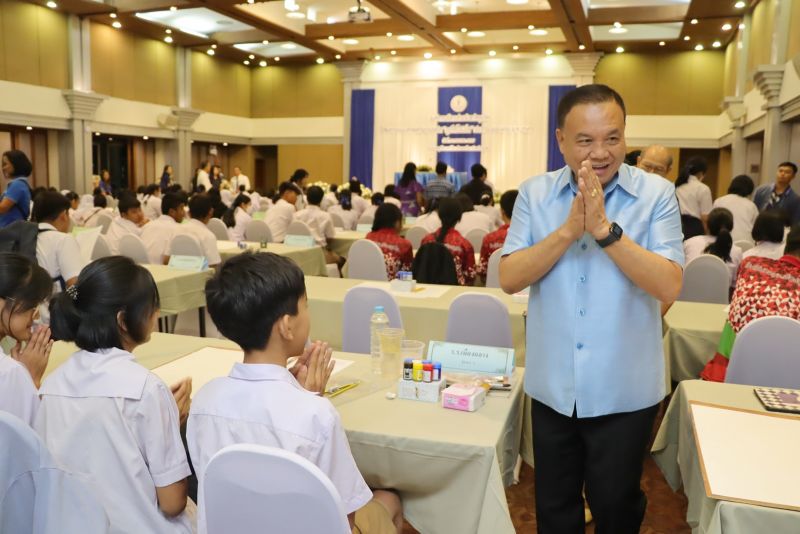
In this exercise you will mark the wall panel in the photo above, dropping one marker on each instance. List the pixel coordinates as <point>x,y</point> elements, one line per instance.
<point>220,86</point>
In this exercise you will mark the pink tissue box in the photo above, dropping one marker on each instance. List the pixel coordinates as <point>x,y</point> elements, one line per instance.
<point>464,397</point>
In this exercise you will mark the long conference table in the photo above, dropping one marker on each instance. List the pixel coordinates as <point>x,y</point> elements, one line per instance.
<point>691,338</point>
<point>310,259</point>
<point>449,467</point>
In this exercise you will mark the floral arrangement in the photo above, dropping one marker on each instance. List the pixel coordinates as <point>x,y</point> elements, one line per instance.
<point>366,192</point>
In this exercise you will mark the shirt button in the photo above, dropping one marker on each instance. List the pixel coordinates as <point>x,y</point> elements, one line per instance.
<point>583,246</point>
<point>582,279</point>
<point>582,312</point>
<point>579,345</point>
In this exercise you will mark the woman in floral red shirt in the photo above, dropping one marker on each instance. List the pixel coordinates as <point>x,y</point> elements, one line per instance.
<point>397,251</point>
<point>460,248</point>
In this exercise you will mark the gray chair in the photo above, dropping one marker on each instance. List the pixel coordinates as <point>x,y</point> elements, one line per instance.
<point>475,237</point>
<point>366,218</point>
<point>357,308</point>
<point>493,269</point>
<point>416,234</point>
<point>745,244</point>
<point>299,228</point>
<point>104,221</point>
<point>765,354</point>
<point>706,279</point>
<point>365,261</point>
<point>479,319</point>
<point>101,248</point>
<point>185,245</point>
<point>218,228</point>
<point>131,246</point>
<point>257,231</point>
<point>338,222</point>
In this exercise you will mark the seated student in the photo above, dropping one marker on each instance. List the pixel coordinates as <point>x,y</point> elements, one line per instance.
<point>131,220</point>
<point>767,235</point>
<point>430,220</point>
<point>471,219</point>
<point>719,243</point>
<point>764,287</point>
<point>105,416</point>
<point>359,203</point>
<point>488,208</point>
<point>738,202</point>
<point>397,251</point>
<point>320,222</point>
<point>281,215</point>
<point>23,287</point>
<point>237,217</point>
<point>330,198</point>
<point>391,196</point>
<point>157,235</point>
<point>91,219</point>
<point>344,209</point>
<point>74,204</point>
<point>376,200</point>
<point>56,249</point>
<point>460,248</point>
<point>259,302</point>
<point>496,239</point>
<point>200,210</point>
<point>216,200</point>
<point>151,202</point>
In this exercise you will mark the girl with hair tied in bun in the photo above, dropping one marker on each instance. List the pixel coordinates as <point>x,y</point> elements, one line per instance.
<point>104,415</point>
<point>23,286</point>
<point>719,243</point>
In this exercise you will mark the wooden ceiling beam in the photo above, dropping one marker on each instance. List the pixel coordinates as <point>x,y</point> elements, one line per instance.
<point>564,22</point>
<point>636,15</point>
<point>504,20</point>
<point>416,23</point>
<point>341,30</point>
<point>574,9</point>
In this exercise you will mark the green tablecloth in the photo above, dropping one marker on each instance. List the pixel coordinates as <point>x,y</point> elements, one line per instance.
<point>179,290</point>
<point>449,467</point>
<point>675,452</point>
<point>311,259</point>
<point>693,332</point>
<point>343,240</point>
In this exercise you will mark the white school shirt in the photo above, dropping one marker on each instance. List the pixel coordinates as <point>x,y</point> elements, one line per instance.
<point>18,395</point>
<point>92,217</point>
<point>360,204</point>
<point>120,227</point>
<point>320,222</point>
<point>696,246</point>
<point>204,180</point>
<point>241,218</point>
<point>207,239</point>
<point>694,198</point>
<point>493,213</point>
<point>370,211</point>
<point>744,213</point>
<point>263,404</point>
<point>392,200</point>
<point>328,200</point>
<point>349,217</point>
<point>470,220</point>
<point>278,218</point>
<point>108,418</point>
<point>766,249</point>
<point>58,254</point>
<point>236,181</point>
<point>157,236</point>
<point>152,207</point>
<point>429,221</point>
<point>300,203</point>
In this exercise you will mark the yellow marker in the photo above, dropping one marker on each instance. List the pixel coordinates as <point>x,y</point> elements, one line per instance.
<point>338,390</point>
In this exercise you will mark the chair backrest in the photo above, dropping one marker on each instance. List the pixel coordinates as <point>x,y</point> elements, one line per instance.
<point>257,231</point>
<point>338,222</point>
<point>37,496</point>
<point>104,221</point>
<point>433,264</point>
<point>101,248</point>
<point>765,354</point>
<point>218,228</point>
<point>366,218</point>
<point>706,279</point>
<point>479,319</point>
<point>475,237</point>
<point>365,261</point>
<point>359,303</point>
<point>745,244</point>
<point>298,228</point>
<point>416,234</point>
<point>131,245</point>
<point>253,488</point>
<point>185,245</point>
<point>493,269</point>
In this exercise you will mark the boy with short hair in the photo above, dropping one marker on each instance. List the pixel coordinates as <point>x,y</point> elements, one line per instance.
<point>259,302</point>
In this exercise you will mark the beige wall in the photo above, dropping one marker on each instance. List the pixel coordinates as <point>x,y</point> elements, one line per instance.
<point>682,83</point>
<point>794,35</point>
<point>758,52</point>
<point>297,91</point>
<point>220,86</point>
<point>731,61</point>
<point>33,45</point>
<point>131,67</point>
<point>323,162</point>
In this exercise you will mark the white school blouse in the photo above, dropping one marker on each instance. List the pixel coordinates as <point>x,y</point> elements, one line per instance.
<point>263,404</point>
<point>18,395</point>
<point>207,239</point>
<point>105,416</point>
<point>241,219</point>
<point>157,236</point>
<point>278,218</point>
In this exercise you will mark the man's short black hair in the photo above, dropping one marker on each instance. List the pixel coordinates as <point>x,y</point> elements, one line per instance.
<point>171,201</point>
<point>386,216</point>
<point>477,171</point>
<point>768,227</point>
<point>199,206</point>
<point>22,165</point>
<point>441,168</point>
<point>314,195</point>
<point>465,202</point>
<point>250,292</point>
<point>507,201</point>
<point>48,205</point>
<point>377,199</point>
<point>288,186</point>
<point>594,93</point>
<point>99,201</point>
<point>127,201</point>
<point>784,164</point>
<point>741,185</point>
<point>793,241</point>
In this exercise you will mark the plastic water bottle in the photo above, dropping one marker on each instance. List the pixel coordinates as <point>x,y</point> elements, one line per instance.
<point>377,322</point>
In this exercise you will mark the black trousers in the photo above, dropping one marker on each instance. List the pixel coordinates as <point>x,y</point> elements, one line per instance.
<point>603,453</point>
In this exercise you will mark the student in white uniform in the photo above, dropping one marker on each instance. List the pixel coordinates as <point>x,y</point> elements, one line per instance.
<point>344,209</point>
<point>56,250</point>
<point>151,203</point>
<point>281,215</point>
<point>376,200</point>
<point>430,221</point>
<point>157,235</point>
<point>130,221</point>
<point>719,243</point>
<point>23,287</point>
<point>320,222</point>
<point>493,212</point>
<point>91,218</point>
<point>330,198</point>
<point>768,235</point>
<point>694,197</point>
<point>201,211</point>
<point>237,217</point>
<point>299,179</point>
<point>359,203</point>
<point>105,416</point>
<point>259,302</point>
<point>471,219</point>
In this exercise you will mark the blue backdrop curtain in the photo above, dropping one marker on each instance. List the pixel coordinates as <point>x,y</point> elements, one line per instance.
<point>554,158</point>
<point>362,126</point>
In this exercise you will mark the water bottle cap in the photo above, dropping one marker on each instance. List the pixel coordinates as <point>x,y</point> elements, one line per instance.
<point>378,308</point>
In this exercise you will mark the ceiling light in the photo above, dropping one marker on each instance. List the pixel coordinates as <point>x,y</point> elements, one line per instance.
<point>210,51</point>
<point>463,30</point>
<point>296,15</point>
<point>265,42</point>
<point>620,50</point>
<point>686,38</point>
<point>214,46</point>
<point>716,44</point>
<point>492,53</point>
<point>515,47</point>
<point>112,15</point>
<point>145,137</point>
<point>29,128</point>
<point>698,47</point>
<point>320,61</point>
<point>549,51</point>
<point>726,27</point>
<point>289,46</point>
<point>531,26</point>
<point>693,21</point>
<point>338,56</point>
<point>173,8</point>
<point>262,63</point>
<point>251,1</point>
<point>377,58</point>
<point>97,134</point>
<point>452,51</point>
<point>393,52</point>
<point>389,34</point>
<point>617,28</point>
<point>739,5</point>
<point>277,58</point>
<point>224,144</point>
<point>476,34</point>
<point>661,43</point>
<point>741,26</point>
<point>251,56</point>
<point>405,37</point>
<point>427,55</point>
<point>168,39</point>
<point>246,62</point>
<point>331,37</point>
<point>350,41</point>
<point>538,32</point>
<point>516,2</point>
<point>581,47</point>
<point>168,31</point>
<point>116,24</point>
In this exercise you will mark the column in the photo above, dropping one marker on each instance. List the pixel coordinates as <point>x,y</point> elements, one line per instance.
<point>351,78</point>
<point>583,66</point>
<point>736,110</point>
<point>768,79</point>
<point>182,167</point>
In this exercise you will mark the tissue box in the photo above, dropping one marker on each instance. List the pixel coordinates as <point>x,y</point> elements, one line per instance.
<point>464,397</point>
<point>421,391</point>
<point>405,286</point>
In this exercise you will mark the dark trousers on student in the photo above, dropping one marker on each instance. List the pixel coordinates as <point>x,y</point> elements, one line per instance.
<point>603,453</point>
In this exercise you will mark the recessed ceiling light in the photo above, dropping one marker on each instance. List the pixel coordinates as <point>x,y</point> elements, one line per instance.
<point>492,53</point>
<point>693,21</point>
<point>516,2</point>
<point>531,26</point>
<point>246,62</point>
<point>739,5</point>
<point>226,144</point>
<point>52,5</point>
<point>350,41</point>
<point>476,34</point>
<point>338,56</point>
<point>173,8</point>
<point>549,51</point>
<point>251,56</point>
<point>389,34</point>
<point>581,47</point>
<point>726,27</point>
<point>741,26</point>
<point>116,24</point>
<point>262,63</point>
<point>112,15</point>
<point>277,58</point>
<point>168,39</point>
<point>296,15</point>
<point>393,52</point>
<point>210,51</point>
<point>214,46</point>
<point>452,51</point>
<point>463,30</point>
<point>698,47</point>
<point>686,38</point>
<point>661,43</point>
<point>538,32</point>
<point>405,37</point>
<point>29,128</point>
<point>620,50</point>
<point>289,46</point>
<point>377,58</point>
<point>617,28</point>
<point>331,37</point>
<point>145,137</point>
<point>265,42</point>
<point>168,31</point>
<point>427,55</point>
<point>716,44</point>
<point>515,47</point>
<point>97,134</point>
<point>320,61</point>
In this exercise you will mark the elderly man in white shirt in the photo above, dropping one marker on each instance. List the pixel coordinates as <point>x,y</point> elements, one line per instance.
<point>320,222</point>
<point>238,180</point>
<point>202,176</point>
<point>131,220</point>
<point>281,215</point>
<point>157,235</point>
<point>201,211</point>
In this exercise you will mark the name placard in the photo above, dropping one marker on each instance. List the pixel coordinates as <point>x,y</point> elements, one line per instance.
<point>305,241</point>
<point>188,263</point>
<point>259,215</point>
<point>409,220</point>
<point>478,359</point>
<point>365,228</point>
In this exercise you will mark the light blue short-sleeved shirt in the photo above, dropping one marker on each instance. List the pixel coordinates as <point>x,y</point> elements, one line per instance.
<point>594,337</point>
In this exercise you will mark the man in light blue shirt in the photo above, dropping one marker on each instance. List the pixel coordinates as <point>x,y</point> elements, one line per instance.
<point>599,244</point>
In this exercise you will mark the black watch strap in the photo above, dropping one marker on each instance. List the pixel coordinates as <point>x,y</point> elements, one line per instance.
<point>614,235</point>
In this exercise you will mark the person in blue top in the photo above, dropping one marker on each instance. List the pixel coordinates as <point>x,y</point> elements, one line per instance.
<point>599,244</point>
<point>105,182</point>
<point>15,203</point>
<point>780,195</point>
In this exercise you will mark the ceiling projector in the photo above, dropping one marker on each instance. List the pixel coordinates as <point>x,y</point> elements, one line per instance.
<point>359,14</point>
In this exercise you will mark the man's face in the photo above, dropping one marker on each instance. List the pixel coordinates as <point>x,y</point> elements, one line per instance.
<point>135,215</point>
<point>655,161</point>
<point>595,132</point>
<point>178,213</point>
<point>290,196</point>
<point>785,175</point>
<point>236,171</point>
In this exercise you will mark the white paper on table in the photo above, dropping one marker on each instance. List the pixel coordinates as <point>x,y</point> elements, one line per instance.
<point>208,363</point>
<point>748,456</point>
<point>86,241</point>
<point>421,292</point>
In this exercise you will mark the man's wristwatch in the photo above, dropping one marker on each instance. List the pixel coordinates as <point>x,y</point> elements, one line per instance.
<point>614,235</point>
